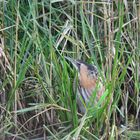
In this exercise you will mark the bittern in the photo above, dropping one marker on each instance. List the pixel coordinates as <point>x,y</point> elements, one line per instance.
<point>88,80</point>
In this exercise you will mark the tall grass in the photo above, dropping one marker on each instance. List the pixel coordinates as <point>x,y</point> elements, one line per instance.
<point>37,98</point>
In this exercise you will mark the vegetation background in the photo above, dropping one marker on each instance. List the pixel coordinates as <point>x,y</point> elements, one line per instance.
<point>37,100</point>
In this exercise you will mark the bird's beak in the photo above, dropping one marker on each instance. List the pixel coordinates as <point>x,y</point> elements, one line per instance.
<point>75,63</point>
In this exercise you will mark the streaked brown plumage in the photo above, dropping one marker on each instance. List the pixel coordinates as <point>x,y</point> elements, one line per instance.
<point>87,82</point>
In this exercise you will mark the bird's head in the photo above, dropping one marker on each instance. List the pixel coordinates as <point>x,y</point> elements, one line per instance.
<point>87,74</point>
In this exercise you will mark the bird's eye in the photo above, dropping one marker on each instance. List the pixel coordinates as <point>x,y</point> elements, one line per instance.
<point>93,73</point>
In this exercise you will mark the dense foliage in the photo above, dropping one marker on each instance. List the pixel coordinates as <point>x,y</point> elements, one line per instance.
<point>37,99</point>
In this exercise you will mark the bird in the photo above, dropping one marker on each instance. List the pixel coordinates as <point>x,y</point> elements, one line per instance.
<point>88,83</point>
